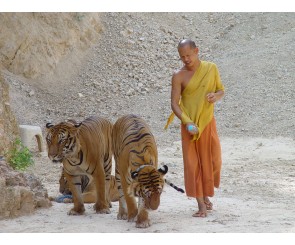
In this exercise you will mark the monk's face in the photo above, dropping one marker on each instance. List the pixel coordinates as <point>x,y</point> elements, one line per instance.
<point>188,55</point>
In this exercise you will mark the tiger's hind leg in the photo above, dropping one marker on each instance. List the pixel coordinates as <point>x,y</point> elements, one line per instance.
<point>89,192</point>
<point>107,190</point>
<point>75,187</point>
<point>89,197</point>
<point>114,193</point>
<point>108,164</point>
<point>101,206</point>
<point>108,186</point>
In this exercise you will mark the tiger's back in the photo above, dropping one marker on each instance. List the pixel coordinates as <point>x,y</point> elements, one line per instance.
<point>132,137</point>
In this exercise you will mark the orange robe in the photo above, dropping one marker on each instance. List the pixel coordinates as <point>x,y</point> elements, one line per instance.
<point>202,161</point>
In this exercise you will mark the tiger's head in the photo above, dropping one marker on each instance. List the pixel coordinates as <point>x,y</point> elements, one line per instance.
<point>149,183</point>
<point>61,140</point>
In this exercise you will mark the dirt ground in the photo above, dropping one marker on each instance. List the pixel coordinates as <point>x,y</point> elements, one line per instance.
<point>256,196</point>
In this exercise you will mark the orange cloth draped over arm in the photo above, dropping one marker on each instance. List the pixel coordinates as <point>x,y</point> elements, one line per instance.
<point>193,103</point>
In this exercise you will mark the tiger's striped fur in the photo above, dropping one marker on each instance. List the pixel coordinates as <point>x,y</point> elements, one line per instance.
<point>88,188</point>
<point>136,157</point>
<point>84,149</point>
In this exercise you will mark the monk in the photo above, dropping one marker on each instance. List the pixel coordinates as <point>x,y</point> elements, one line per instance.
<point>195,89</point>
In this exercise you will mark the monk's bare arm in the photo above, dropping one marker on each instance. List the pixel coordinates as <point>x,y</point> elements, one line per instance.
<point>213,97</point>
<point>175,95</point>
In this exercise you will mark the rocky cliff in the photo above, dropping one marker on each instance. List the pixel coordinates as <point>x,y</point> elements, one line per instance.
<point>8,124</point>
<point>32,44</point>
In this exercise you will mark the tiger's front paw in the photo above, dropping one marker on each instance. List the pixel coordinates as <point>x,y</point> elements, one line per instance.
<point>132,216</point>
<point>101,210</point>
<point>121,216</point>
<point>143,224</point>
<point>143,220</point>
<point>76,212</point>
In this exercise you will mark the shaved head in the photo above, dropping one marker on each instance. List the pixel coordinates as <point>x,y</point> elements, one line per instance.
<point>186,42</point>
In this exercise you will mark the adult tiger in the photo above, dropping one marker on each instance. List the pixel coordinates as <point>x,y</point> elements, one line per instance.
<point>84,149</point>
<point>87,188</point>
<point>136,157</point>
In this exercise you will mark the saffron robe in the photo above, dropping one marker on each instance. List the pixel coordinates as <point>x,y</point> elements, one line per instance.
<point>193,103</point>
<point>201,152</point>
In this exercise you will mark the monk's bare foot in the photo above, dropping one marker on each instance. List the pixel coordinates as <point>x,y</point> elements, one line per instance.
<point>209,205</point>
<point>202,208</point>
<point>200,214</point>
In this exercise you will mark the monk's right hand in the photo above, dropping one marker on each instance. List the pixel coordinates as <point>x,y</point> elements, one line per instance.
<point>191,128</point>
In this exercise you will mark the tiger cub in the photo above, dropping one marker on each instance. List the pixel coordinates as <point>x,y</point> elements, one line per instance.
<point>136,157</point>
<point>84,149</point>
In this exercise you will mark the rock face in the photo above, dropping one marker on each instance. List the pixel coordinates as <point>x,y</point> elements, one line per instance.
<point>40,40</point>
<point>8,124</point>
<point>20,193</point>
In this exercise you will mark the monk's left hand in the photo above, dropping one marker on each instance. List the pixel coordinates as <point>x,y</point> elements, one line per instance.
<point>211,97</point>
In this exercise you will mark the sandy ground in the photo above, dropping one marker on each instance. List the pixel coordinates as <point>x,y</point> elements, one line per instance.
<point>256,196</point>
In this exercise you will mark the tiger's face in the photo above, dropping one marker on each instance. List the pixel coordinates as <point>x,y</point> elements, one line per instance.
<point>61,141</point>
<point>149,185</point>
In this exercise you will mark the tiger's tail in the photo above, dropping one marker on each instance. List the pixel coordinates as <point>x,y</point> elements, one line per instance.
<point>174,186</point>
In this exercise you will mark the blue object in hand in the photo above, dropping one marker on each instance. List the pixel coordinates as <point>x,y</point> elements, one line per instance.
<point>191,127</point>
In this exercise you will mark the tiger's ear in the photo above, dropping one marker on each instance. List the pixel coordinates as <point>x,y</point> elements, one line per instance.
<point>163,170</point>
<point>49,125</point>
<point>77,125</point>
<point>134,174</point>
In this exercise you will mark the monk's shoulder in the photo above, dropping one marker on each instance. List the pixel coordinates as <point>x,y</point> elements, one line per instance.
<point>178,74</point>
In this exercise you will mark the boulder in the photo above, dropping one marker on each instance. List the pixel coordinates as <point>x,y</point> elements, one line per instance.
<point>21,193</point>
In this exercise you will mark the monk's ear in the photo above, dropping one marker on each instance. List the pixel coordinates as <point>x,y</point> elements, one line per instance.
<point>197,50</point>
